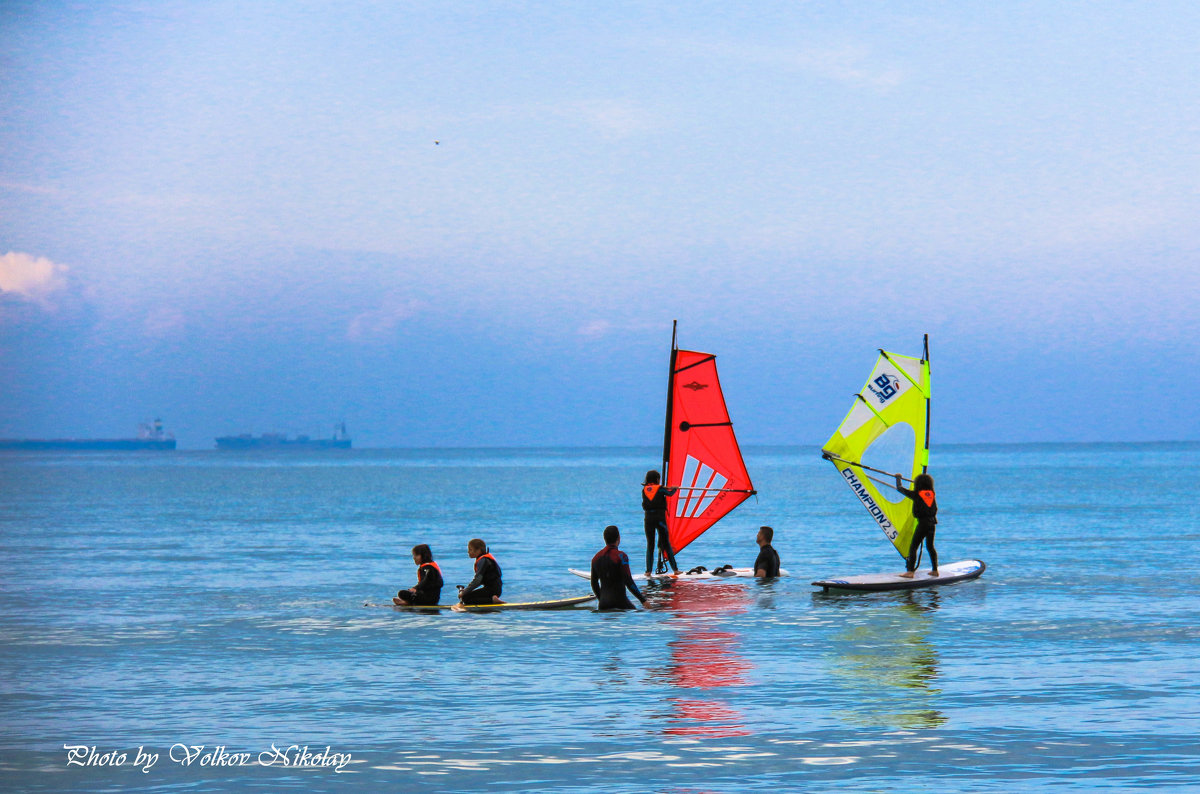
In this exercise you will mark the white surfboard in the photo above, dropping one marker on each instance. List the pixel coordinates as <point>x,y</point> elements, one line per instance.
<point>947,574</point>
<point>728,573</point>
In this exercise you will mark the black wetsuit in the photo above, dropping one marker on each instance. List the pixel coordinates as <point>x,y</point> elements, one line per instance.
<point>486,583</point>
<point>611,577</point>
<point>656,525</point>
<point>926,515</point>
<point>768,560</point>
<point>428,589</point>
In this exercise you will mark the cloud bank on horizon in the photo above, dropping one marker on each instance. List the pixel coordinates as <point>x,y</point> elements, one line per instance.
<point>474,223</point>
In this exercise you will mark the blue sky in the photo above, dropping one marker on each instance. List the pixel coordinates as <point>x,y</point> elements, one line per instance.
<point>472,223</point>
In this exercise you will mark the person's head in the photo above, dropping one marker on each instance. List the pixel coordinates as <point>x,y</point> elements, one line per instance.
<point>422,554</point>
<point>475,547</point>
<point>922,482</point>
<point>765,536</point>
<point>651,478</point>
<point>612,535</point>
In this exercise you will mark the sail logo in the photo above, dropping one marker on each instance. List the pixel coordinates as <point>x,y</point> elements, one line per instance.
<point>699,488</point>
<point>874,509</point>
<point>695,385</point>
<point>885,387</point>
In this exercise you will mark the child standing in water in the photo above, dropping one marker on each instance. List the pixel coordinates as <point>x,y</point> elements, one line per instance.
<point>925,511</point>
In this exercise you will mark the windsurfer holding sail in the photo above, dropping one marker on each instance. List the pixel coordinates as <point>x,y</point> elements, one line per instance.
<point>925,511</point>
<point>654,503</point>
<point>610,574</point>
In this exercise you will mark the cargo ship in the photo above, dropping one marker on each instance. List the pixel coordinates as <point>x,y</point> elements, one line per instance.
<point>151,436</point>
<point>282,441</point>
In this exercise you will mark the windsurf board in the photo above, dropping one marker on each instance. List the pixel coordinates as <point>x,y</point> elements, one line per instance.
<point>947,574</point>
<point>728,573</point>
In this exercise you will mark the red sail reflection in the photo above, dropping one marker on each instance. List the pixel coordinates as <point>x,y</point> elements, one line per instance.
<point>704,718</point>
<point>705,658</point>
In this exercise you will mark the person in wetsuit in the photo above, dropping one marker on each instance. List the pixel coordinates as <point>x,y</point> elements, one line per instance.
<point>654,502</point>
<point>428,588</point>
<point>925,511</point>
<point>486,586</point>
<point>767,563</point>
<point>611,575</point>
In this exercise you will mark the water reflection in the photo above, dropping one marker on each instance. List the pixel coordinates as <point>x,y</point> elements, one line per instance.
<point>884,655</point>
<point>703,657</point>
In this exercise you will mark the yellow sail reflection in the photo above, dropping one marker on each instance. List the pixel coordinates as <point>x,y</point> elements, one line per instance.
<point>886,659</point>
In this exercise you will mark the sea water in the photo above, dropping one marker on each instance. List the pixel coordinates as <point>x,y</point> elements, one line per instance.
<point>195,621</point>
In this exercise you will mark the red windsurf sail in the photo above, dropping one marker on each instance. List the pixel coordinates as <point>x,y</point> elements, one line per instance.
<point>701,454</point>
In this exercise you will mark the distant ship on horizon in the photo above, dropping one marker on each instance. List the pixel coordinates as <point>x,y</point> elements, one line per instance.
<point>281,441</point>
<point>151,436</point>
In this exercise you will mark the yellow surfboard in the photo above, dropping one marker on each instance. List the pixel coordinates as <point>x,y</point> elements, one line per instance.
<point>560,603</point>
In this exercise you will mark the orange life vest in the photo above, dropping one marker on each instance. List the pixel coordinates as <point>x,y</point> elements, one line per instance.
<point>927,497</point>
<point>431,562</point>
<point>651,491</point>
<point>487,554</point>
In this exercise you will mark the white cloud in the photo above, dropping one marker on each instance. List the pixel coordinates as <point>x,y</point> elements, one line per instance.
<point>612,119</point>
<point>595,329</point>
<point>163,321</point>
<point>850,64</point>
<point>598,329</point>
<point>382,322</point>
<point>33,278</point>
<point>32,190</point>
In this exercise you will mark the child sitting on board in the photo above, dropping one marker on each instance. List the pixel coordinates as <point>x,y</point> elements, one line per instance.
<point>486,586</point>
<point>428,588</point>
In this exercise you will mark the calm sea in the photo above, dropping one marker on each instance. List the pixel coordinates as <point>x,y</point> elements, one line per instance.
<point>151,604</point>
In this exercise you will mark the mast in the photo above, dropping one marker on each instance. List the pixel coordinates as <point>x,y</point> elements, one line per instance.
<point>928,401</point>
<point>670,391</point>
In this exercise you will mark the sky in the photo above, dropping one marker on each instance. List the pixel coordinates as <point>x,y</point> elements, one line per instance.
<point>472,224</point>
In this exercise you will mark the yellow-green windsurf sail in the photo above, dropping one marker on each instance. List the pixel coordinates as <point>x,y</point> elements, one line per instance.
<point>886,432</point>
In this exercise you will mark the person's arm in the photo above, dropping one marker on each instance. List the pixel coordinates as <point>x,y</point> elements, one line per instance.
<point>595,581</point>
<point>422,581</point>
<point>759,569</point>
<point>900,487</point>
<point>476,582</point>
<point>629,583</point>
